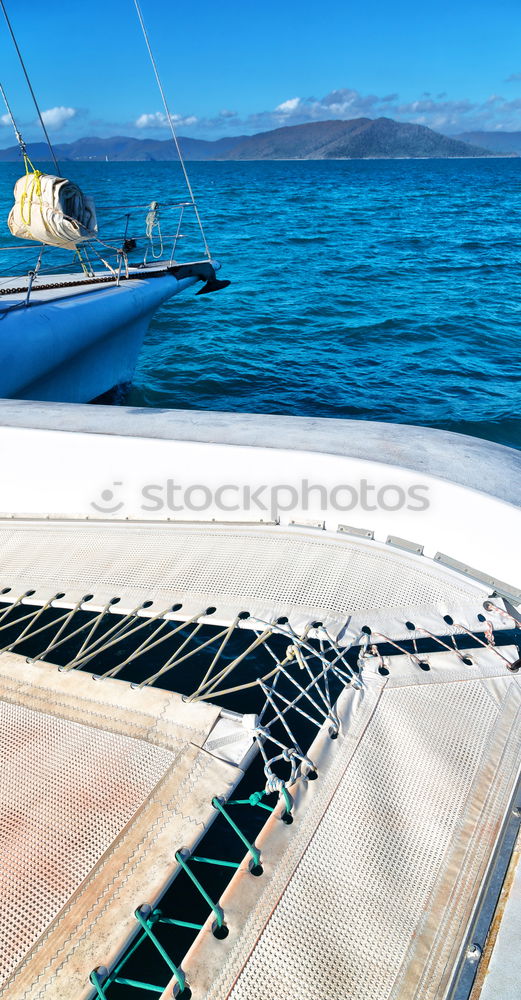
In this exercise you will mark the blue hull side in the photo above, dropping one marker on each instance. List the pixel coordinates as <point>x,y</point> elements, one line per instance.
<point>73,349</point>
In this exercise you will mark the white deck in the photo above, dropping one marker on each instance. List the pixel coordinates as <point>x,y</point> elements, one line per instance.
<point>75,470</point>
<point>457,458</point>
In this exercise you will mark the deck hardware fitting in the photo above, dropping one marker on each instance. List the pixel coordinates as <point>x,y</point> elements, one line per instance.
<point>502,588</point>
<point>347,529</point>
<point>405,544</point>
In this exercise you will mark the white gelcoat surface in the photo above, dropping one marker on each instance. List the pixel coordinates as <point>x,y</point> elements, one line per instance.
<point>57,473</point>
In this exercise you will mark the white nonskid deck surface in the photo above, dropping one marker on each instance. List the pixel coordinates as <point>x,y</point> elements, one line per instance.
<point>268,572</point>
<point>369,894</point>
<point>100,786</point>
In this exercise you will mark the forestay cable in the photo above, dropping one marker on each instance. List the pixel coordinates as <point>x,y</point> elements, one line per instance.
<point>18,134</point>
<point>170,122</point>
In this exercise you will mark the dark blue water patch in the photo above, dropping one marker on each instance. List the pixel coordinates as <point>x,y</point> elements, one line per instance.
<point>386,290</point>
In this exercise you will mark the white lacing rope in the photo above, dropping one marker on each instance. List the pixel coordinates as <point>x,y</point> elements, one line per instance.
<point>281,716</point>
<point>121,630</point>
<point>64,622</point>
<point>70,635</point>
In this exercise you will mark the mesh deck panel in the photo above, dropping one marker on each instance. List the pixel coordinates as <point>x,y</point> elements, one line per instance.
<point>67,791</point>
<point>99,786</point>
<point>263,571</point>
<point>370,895</point>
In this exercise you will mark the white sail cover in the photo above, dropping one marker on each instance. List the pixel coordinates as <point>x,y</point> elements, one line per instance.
<point>51,210</point>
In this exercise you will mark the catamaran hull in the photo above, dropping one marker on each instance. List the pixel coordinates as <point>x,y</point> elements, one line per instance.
<point>49,352</point>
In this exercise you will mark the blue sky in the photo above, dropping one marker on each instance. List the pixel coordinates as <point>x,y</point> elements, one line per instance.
<point>234,67</point>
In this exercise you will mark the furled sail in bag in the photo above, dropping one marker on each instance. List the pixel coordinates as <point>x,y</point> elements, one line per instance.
<point>51,210</point>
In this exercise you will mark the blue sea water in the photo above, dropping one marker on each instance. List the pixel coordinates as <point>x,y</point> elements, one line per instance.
<point>386,290</point>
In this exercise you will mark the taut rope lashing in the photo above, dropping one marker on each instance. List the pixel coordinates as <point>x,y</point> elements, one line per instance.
<point>171,125</point>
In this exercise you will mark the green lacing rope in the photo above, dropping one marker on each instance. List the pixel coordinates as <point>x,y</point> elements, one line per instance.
<point>218,913</point>
<point>180,923</point>
<point>255,853</point>
<point>155,916</point>
<point>216,861</point>
<point>255,799</point>
<point>146,925</point>
<point>139,985</point>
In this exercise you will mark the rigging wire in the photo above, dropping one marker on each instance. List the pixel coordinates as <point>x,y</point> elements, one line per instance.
<point>33,95</point>
<point>18,134</point>
<point>170,122</point>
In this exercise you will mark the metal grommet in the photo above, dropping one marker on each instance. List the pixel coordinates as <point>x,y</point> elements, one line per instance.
<point>473,953</point>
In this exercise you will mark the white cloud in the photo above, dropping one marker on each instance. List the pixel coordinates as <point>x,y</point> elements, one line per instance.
<point>186,120</point>
<point>289,107</point>
<point>58,117</point>
<point>440,112</point>
<point>5,120</point>
<point>156,120</point>
<point>159,120</point>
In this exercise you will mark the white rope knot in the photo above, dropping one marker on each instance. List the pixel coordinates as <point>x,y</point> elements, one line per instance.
<point>274,784</point>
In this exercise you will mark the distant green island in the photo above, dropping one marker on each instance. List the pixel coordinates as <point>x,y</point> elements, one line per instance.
<point>359,138</point>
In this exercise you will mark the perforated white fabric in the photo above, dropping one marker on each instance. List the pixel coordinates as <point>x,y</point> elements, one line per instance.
<point>66,793</point>
<point>376,871</point>
<point>371,897</point>
<point>252,570</point>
